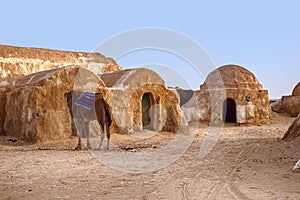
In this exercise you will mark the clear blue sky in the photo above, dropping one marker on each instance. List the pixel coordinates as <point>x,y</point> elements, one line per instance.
<point>263,36</point>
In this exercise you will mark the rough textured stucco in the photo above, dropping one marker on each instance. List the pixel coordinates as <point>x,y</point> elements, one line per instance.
<point>231,76</point>
<point>36,109</point>
<point>236,83</point>
<point>125,91</point>
<point>32,86</point>
<point>19,61</point>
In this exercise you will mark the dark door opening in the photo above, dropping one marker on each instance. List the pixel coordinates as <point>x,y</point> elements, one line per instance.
<point>146,104</point>
<point>229,111</point>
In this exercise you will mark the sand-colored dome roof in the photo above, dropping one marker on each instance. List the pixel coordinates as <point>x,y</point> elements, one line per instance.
<point>81,79</point>
<point>232,76</point>
<point>131,77</point>
<point>296,91</point>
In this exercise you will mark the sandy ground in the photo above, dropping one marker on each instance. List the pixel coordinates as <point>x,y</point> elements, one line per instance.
<point>248,162</point>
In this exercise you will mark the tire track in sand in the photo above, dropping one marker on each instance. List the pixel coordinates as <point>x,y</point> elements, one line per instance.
<point>228,183</point>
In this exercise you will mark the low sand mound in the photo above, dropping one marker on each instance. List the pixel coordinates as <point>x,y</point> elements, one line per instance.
<point>294,130</point>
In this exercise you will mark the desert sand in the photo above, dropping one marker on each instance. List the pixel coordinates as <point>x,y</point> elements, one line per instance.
<point>248,162</point>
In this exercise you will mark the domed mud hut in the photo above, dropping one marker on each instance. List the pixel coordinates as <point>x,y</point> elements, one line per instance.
<point>140,100</point>
<point>35,107</point>
<point>231,93</point>
<point>32,86</point>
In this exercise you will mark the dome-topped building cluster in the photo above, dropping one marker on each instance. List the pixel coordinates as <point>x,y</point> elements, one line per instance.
<point>231,93</point>
<point>34,82</point>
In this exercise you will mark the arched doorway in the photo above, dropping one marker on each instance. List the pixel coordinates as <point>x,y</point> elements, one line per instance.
<point>229,111</point>
<point>147,101</point>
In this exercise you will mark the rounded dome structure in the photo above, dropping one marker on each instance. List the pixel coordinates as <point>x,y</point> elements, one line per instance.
<point>232,94</point>
<point>296,91</point>
<point>232,76</point>
<point>133,77</point>
<point>140,99</point>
